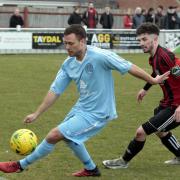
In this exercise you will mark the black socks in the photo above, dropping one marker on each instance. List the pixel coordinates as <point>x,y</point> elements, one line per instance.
<point>133,148</point>
<point>171,144</point>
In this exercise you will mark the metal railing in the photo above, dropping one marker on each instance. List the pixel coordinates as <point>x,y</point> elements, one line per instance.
<point>50,40</point>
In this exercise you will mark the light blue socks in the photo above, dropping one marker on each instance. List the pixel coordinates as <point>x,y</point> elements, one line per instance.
<point>45,148</point>
<point>81,152</point>
<point>42,150</point>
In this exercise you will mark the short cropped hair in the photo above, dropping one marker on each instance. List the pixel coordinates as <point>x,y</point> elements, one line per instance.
<point>76,29</point>
<point>148,28</point>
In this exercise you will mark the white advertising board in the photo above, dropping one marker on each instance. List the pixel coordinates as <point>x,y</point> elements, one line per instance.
<point>15,40</point>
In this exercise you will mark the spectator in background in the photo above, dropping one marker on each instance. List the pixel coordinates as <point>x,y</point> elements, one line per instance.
<point>150,16</point>
<point>127,20</point>
<point>160,17</point>
<point>16,19</point>
<point>106,19</point>
<point>144,12</point>
<point>90,16</point>
<point>171,20</point>
<point>75,17</point>
<point>138,18</point>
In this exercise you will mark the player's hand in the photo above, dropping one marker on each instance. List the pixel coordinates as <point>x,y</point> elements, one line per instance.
<point>141,95</point>
<point>177,114</point>
<point>30,118</point>
<point>161,78</point>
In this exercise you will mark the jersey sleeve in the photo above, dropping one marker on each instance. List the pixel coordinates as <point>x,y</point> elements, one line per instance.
<point>115,62</point>
<point>60,83</point>
<point>167,59</point>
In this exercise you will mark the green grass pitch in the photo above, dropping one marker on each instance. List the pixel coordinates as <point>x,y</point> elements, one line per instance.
<point>25,80</point>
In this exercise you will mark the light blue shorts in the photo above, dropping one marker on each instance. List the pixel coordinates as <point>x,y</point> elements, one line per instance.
<point>79,126</point>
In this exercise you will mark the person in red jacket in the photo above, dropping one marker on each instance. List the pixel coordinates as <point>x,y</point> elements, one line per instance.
<point>127,20</point>
<point>90,17</point>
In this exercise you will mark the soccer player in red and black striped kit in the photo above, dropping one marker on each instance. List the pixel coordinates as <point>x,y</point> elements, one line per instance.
<point>167,114</point>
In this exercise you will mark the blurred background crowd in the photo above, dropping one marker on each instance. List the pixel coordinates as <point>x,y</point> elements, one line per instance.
<point>107,14</point>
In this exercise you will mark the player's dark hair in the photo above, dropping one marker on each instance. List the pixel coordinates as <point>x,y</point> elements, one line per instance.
<point>76,29</point>
<point>148,28</point>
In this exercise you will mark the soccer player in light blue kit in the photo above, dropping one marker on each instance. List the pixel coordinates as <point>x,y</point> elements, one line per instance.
<point>90,68</point>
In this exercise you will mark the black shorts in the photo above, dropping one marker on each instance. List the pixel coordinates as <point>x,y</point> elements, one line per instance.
<point>162,121</point>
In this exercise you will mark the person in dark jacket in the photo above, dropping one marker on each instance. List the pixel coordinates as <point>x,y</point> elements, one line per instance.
<point>160,17</point>
<point>171,20</point>
<point>75,17</point>
<point>16,19</point>
<point>150,16</point>
<point>106,19</point>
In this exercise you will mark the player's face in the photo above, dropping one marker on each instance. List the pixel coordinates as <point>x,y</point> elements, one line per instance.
<point>146,42</point>
<point>73,45</point>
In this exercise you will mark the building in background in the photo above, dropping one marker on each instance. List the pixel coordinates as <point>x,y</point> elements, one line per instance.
<point>55,13</point>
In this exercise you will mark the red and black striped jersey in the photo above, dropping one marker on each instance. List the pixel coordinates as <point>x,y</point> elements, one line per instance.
<point>162,61</point>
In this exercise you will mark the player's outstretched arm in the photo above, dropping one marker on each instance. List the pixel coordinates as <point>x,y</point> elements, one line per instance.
<point>48,101</point>
<point>140,73</point>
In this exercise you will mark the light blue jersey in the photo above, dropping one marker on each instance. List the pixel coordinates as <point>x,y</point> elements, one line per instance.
<point>95,106</point>
<point>94,80</point>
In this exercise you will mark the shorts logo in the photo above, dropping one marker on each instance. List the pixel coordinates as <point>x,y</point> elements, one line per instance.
<point>89,68</point>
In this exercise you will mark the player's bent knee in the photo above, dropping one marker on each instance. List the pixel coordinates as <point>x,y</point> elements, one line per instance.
<point>140,134</point>
<point>54,136</point>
